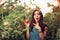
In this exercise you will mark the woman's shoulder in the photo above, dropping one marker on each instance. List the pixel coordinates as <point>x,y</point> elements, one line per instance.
<point>46,26</point>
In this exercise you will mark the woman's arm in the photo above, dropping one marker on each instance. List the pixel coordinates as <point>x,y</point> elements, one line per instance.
<point>27,23</point>
<point>27,34</point>
<point>43,34</point>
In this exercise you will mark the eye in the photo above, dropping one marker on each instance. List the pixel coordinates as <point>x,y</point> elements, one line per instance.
<point>35,13</point>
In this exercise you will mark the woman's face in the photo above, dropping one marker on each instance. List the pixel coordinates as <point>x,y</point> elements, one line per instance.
<point>36,16</point>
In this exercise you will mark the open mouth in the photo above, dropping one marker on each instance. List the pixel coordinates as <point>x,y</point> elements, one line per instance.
<point>37,18</point>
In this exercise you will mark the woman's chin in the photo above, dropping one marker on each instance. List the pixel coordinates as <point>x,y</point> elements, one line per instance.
<point>37,20</point>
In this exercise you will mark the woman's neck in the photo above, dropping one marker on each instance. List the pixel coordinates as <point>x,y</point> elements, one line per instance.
<point>37,22</point>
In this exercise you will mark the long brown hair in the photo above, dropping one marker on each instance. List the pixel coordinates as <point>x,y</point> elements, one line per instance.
<point>41,24</point>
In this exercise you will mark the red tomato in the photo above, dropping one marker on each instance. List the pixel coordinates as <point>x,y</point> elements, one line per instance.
<point>27,21</point>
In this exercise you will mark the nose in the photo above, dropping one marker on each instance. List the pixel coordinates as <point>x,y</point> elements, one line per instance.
<point>36,15</point>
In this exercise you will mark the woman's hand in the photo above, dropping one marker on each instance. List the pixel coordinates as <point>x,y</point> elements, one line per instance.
<point>37,26</point>
<point>27,22</point>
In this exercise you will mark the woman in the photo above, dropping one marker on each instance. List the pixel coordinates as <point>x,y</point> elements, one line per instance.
<point>38,29</point>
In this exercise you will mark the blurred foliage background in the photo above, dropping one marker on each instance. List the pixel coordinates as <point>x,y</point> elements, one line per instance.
<point>12,21</point>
